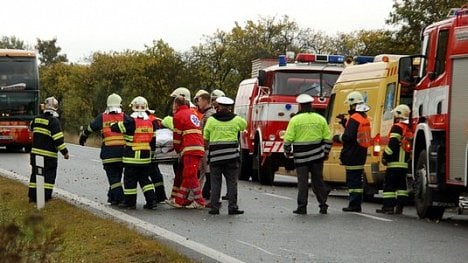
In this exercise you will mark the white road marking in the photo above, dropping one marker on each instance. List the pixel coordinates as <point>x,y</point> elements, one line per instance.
<point>278,196</point>
<point>298,252</point>
<point>94,160</point>
<point>373,217</point>
<point>133,221</point>
<point>259,248</point>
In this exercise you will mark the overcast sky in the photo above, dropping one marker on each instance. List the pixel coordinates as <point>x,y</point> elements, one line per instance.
<point>85,26</point>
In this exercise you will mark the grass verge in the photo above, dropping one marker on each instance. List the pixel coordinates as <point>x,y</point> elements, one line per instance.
<point>64,233</point>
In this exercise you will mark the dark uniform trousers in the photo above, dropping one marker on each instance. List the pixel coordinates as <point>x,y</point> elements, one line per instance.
<point>354,182</point>
<point>395,183</point>
<point>134,174</point>
<point>50,174</point>
<point>114,172</point>
<point>318,186</point>
<point>230,170</point>
<point>158,182</point>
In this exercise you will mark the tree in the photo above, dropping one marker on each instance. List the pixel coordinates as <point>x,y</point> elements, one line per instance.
<point>12,43</point>
<point>411,16</point>
<point>49,52</point>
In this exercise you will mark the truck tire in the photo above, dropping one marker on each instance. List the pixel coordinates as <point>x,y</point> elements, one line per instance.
<point>265,172</point>
<point>423,193</point>
<point>246,166</point>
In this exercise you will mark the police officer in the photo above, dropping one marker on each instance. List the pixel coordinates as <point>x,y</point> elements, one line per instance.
<point>355,139</point>
<point>396,157</point>
<point>221,133</point>
<point>112,146</point>
<point>47,141</point>
<point>138,130</point>
<point>308,140</point>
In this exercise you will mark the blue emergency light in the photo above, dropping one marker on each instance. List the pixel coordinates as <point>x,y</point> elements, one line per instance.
<point>335,59</point>
<point>363,59</point>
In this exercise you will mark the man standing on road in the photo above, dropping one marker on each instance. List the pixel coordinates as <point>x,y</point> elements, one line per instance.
<point>221,133</point>
<point>308,140</point>
<point>189,144</point>
<point>138,130</point>
<point>356,139</point>
<point>396,157</point>
<point>112,146</point>
<point>47,141</point>
<point>203,101</point>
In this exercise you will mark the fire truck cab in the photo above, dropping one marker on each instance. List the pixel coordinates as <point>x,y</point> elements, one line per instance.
<point>268,101</point>
<point>440,123</point>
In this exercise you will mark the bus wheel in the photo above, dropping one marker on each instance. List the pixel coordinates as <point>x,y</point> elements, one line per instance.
<point>423,193</point>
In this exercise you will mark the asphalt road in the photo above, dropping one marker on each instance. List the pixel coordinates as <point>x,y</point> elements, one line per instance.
<point>269,231</point>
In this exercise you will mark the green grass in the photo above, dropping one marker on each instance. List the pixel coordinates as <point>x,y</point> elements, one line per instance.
<point>64,233</point>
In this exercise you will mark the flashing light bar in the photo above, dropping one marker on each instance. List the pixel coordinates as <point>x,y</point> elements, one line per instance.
<point>308,58</point>
<point>363,59</point>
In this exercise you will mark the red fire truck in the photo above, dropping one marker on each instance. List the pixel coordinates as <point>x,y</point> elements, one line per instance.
<point>268,101</point>
<point>19,97</point>
<point>439,117</point>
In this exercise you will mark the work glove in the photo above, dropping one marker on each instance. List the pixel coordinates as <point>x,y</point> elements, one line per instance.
<point>384,162</point>
<point>83,139</point>
<point>336,138</point>
<point>342,119</point>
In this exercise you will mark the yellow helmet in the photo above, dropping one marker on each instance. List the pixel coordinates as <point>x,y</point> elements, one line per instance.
<point>181,91</point>
<point>401,111</point>
<point>114,100</point>
<point>217,93</point>
<point>51,103</point>
<point>354,97</point>
<point>139,104</point>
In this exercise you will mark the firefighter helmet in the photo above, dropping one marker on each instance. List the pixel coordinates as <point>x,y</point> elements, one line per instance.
<point>181,91</point>
<point>139,104</point>
<point>51,103</point>
<point>304,98</point>
<point>401,111</point>
<point>200,92</point>
<point>217,93</point>
<point>114,100</point>
<point>354,97</point>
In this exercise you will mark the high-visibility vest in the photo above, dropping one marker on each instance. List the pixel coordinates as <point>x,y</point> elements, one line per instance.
<point>406,137</point>
<point>143,134</point>
<point>364,138</point>
<point>111,138</point>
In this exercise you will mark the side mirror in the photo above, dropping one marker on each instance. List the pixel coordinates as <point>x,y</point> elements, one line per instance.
<point>261,77</point>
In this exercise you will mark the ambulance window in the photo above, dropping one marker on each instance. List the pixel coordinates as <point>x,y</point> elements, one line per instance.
<point>441,52</point>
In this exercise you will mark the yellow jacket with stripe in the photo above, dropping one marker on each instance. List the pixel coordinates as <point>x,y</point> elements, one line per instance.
<point>47,136</point>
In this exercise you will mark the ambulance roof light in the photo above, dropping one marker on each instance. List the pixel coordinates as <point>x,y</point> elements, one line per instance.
<point>363,59</point>
<point>305,57</point>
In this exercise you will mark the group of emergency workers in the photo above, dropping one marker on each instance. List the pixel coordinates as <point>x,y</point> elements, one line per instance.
<point>205,136</point>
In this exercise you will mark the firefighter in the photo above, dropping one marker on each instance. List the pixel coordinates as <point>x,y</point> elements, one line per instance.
<point>138,130</point>
<point>355,139</point>
<point>184,92</point>
<point>189,144</point>
<point>396,157</point>
<point>112,146</point>
<point>214,95</point>
<point>203,101</point>
<point>308,140</point>
<point>156,175</point>
<point>47,141</point>
<point>221,133</point>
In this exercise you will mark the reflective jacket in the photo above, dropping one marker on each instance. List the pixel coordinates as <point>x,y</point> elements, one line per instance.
<point>113,143</point>
<point>308,137</point>
<point>221,131</point>
<point>47,136</point>
<point>188,137</point>
<point>394,153</point>
<point>139,139</point>
<point>352,153</point>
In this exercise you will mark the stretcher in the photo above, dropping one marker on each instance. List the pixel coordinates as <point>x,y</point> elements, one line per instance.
<point>164,152</point>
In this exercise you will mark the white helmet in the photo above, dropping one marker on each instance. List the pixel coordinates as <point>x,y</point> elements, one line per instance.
<point>401,111</point>
<point>181,91</point>
<point>217,93</point>
<point>200,92</point>
<point>114,100</point>
<point>354,97</point>
<point>51,103</point>
<point>304,98</point>
<point>139,104</point>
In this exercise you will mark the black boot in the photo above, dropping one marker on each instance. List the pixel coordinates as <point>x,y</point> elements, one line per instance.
<point>385,210</point>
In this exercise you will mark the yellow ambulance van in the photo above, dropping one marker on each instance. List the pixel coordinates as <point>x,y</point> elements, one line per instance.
<point>378,83</point>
